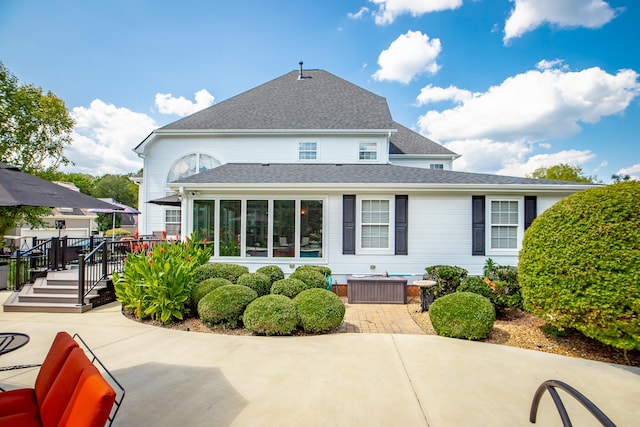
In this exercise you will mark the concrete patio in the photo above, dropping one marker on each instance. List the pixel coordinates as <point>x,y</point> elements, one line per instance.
<point>175,378</point>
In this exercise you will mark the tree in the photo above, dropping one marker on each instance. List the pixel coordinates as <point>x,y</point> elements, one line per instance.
<point>620,177</point>
<point>117,187</point>
<point>34,127</point>
<point>34,130</point>
<point>562,172</point>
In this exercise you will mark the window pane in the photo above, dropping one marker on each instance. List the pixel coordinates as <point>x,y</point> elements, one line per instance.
<point>368,151</point>
<point>504,237</point>
<point>375,236</point>
<point>172,219</point>
<point>204,216</point>
<point>311,228</point>
<point>207,162</point>
<point>284,226</point>
<point>183,168</point>
<point>307,151</point>
<point>257,227</point>
<point>375,224</point>
<point>230,221</point>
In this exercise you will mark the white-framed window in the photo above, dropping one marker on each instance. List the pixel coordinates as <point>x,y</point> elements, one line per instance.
<point>307,151</point>
<point>172,221</point>
<point>375,219</point>
<point>436,166</point>
<point>191,164</point>
<point>368,151</point>
<point>506,224</point>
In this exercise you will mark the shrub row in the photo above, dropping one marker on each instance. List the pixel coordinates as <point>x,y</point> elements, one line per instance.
<point>266,303</point>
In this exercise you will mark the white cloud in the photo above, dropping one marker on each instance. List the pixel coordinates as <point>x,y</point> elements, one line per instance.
<point>488,156</point>
<point>546,64</point>
<point>522,167</point>
<point>632,171</point>
<point>429,94</point>
<point>359,14</point>
<point>389,10</point>
<point>528,15</point>
<point>181,106</point>
<point>535,105</point>
<point>409,55</point>
<point>104,136</point>
<point>498,131</point>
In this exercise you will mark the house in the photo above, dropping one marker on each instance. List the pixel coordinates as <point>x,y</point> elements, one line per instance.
<point>311,169</point>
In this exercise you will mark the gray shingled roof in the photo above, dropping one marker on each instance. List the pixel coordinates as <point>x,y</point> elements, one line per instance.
<point>318,101</point>
<point>282,173</point>
<point>406,141</point>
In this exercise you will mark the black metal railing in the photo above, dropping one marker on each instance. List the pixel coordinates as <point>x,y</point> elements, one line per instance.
<point>550,386</point>
<point>25,265</point>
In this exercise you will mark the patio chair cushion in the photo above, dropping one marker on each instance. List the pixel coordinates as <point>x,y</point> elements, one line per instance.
<point>91,402</point>
<point>18,401</point>
<point>23,419</point>
<point>55,403</point>
<point>62,345</point>
<point>74,394</point>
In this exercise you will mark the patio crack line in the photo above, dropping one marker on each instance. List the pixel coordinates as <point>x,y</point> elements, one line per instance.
<point>406,372</point>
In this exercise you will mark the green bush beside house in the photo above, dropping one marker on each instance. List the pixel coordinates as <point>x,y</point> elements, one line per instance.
<point>579,266</point>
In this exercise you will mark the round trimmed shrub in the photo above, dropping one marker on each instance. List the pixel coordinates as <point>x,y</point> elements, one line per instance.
<point>225,305</point>
<point>257,281</point>
<point>272,271</point>
<point>231,272</point>
<point>462,315</point>
<point>201,289</point>
<point>271,315</point>
<point>311,277</point>
<point>320,310</point>
<point>288,287</point>
<point>322,269</point>
<point>579,266</point>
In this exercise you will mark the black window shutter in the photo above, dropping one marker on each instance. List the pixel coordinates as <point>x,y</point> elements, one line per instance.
<point>530,210</point>
<point>477,225</point>
<point>349,224</point>
<point>402,230</point>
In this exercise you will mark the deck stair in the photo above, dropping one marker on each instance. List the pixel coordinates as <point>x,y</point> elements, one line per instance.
<point>55,293</point>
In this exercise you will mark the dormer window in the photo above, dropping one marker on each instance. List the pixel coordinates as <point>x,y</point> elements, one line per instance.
<point>307,151</point>
<point>436,166</point>
<point>368,151</point>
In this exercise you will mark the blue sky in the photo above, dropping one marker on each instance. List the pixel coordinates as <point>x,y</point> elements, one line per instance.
<point>511,85</point>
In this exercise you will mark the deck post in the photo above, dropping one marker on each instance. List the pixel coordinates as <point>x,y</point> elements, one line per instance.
<point>81,276</point>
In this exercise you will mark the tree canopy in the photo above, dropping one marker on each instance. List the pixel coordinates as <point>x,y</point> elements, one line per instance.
<point>34,127</point>
<point>34,130</point>
<point>562,172</point>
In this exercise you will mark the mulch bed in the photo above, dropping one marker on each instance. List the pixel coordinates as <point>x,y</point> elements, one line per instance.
<point>516,329</point>
<point>524,330</point>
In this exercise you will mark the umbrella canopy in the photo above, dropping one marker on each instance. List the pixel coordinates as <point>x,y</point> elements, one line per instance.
<point>116,208</point>
<point>172,200</point>
<point>18,188</point>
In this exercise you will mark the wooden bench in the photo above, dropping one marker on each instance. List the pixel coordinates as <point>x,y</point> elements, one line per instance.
<point>69,391</point>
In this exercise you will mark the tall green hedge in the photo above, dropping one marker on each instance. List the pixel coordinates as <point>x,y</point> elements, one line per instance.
<point>580,264</point>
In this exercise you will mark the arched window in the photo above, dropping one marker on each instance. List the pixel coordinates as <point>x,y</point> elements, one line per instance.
<point>191,164</point>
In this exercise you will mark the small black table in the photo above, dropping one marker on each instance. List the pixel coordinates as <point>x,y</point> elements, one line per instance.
<point>10,341</point>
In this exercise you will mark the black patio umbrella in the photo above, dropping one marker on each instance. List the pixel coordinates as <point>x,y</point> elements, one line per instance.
<point>172,200</point>
<point>18,188</point>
